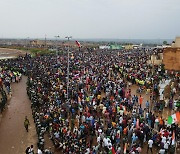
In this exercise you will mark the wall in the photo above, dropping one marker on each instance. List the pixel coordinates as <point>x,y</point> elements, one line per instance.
<point>171,58</point>
<point>177,43</point>
<point>154,59</point>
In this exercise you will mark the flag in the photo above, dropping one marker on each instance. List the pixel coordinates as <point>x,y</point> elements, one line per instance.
<point>173,138</point>
<point>125,148</point>
<point>112,151</point>
<point>124,109</point>
<point>175,118</point>
<point>78,44</point>
<point>170,120</point>
<point>178,116</point>
<point>137,124</point>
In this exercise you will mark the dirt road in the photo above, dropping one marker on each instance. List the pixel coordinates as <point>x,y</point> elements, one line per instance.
<point>13,137</point>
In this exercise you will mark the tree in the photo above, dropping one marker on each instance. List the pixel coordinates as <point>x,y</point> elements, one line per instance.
<point>164,42</point>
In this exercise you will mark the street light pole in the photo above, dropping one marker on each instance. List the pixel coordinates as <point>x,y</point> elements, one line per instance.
<point>68,38</point>
<point>152,95</point>
<point>56,43</point>
<point>27,40</point>
<point>45,46</point>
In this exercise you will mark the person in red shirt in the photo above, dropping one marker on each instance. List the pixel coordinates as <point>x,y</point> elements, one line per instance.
<point>166,133</point>
<point>1,84</point>
<point>140,100</point>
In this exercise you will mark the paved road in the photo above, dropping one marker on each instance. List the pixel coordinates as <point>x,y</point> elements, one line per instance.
<point>13,137</point>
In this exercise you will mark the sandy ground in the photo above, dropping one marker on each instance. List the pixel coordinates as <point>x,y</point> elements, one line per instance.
<point>10,53</point>
<point>13,137</point>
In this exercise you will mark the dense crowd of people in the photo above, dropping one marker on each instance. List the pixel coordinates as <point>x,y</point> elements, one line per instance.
<point>6,78</point>
<point>100,114</point>
<point>3,99</point>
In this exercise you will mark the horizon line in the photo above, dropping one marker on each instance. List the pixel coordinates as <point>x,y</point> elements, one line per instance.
<point>50,38</point>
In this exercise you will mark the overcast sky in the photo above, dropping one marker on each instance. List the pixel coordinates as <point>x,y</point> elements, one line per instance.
<point>119,19</point>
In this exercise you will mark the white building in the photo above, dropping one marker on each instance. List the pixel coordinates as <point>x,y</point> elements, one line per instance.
<point>104,47</point>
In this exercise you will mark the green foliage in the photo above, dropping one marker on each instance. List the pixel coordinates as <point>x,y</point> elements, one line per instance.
<point>35,52</point>
<point>164,42</point>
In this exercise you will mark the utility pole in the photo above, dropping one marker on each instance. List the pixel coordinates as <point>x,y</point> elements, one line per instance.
<point>45,43</point>
<point>152,62</point>
<point>68,38</point>
<point>27,40</point>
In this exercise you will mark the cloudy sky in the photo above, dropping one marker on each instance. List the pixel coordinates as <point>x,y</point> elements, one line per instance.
<point>119,19</point>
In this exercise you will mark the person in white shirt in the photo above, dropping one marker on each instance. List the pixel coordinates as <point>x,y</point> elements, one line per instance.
<point>104,142</point>
<point>39,151</point>
<point>99,131</point>
<point>156,124</point>
<point>87,151</point>
<point>166,146</point>
<point>118,150</point>
<point>162,151</point>
<point>31,150</point>
<point>163,139</point>
<point>98,139</point>
<point>150,144</point>
<point>109,144</point>
<point>120,119</point>
<point>56,134</point>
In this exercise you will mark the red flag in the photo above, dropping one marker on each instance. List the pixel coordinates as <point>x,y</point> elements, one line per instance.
<point>137,124</point>
<point>78,44</point>
<point>113,150</point>
<point>125,148</point>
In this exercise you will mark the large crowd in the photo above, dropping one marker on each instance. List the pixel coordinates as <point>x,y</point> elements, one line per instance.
<point>7,77</point>
<point>100,114</point>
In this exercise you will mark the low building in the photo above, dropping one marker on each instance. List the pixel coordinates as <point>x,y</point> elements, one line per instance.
<point>36,42</point>
<point>104,47</point>
<point>156,59</point>
<point>128,47</point>
<point>176,43</point>
<point>116,47</point>
<point>171,56</point>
